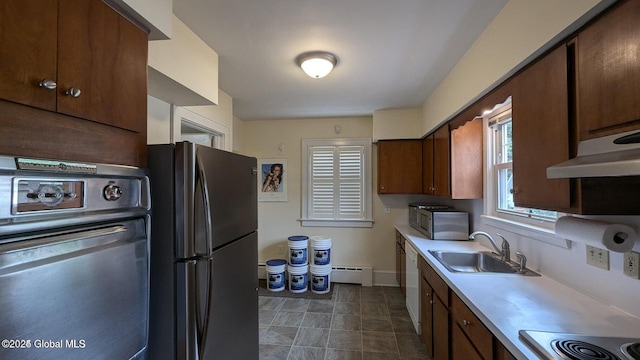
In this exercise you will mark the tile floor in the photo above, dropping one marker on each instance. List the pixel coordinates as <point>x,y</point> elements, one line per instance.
<point>363,323</point>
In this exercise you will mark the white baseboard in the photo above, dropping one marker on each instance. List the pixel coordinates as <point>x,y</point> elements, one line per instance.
<point>385,278</point>
<point>352,275</point>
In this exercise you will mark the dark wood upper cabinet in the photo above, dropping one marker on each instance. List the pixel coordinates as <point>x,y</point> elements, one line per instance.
<point>442,161</point>
<point>75,44</point>
<point>427,165</point>
<point>436,163</point>
<point>540,113</point>
<point>467,161</point>
<point>399,166</point>
<point>608,63</point>
<point>28,37</point>
<point>105,56</point>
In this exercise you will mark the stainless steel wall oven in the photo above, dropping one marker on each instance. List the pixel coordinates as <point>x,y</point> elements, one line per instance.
<point>74,260</point>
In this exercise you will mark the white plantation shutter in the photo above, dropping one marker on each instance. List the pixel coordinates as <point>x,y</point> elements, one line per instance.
<point>322,183</point>
<point>337,186</point>
<point>351,178</point>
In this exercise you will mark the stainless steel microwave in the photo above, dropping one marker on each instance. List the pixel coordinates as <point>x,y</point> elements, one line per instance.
<point>414,215</point>
<point>444,224</point>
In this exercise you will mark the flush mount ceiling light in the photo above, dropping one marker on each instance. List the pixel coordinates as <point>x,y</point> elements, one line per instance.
<point>317,64</point>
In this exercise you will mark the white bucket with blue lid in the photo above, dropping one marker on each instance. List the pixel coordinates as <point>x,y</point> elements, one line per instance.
<point>275,274</point>
<point>321,278</point>
<point>320,250</point>
<point>298,250</point>
<point>298,279</point>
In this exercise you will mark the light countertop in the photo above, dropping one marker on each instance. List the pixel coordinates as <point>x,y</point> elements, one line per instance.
<point>509,303</point>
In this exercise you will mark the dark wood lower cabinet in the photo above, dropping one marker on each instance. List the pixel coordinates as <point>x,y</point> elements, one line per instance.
<point>426,315</point>
<point>434,312</point>
<point>461,348</point>
<point>450,330</point>
<point>440,331</point>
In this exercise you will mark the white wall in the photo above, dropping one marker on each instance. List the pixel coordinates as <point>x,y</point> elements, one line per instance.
<point>238,138</point>
<point>278,220</point>
<point>517,32</point>
<point>160,124</point>
<point>158,121</point>
<point>183,70</point>
<point>397,124</point>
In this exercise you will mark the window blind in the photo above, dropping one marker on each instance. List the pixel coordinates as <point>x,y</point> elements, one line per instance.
<point>337,182</point>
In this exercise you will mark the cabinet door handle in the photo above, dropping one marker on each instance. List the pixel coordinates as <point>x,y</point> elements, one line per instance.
<point>73,92</point>
<point>466,323</point>
<point>48,84</point>
<point>431,302</point>
<point>513,191</point>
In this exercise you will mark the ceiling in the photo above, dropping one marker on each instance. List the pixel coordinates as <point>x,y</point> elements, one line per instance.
<point>391,54</point>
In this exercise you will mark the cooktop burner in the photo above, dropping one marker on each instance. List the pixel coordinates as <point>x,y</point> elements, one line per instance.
<point>579,350</point>
<point>632,350</point>
<point>566,346</point>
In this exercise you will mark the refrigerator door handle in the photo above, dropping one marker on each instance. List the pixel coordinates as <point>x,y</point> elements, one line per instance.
<point>202,319</point>
<point>206,205</point>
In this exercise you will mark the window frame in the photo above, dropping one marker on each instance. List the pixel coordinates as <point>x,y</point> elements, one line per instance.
<point>307,191</point>
<point>491,201</point>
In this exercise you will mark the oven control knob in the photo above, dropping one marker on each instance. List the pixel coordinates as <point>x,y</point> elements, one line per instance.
<point>112,192</point>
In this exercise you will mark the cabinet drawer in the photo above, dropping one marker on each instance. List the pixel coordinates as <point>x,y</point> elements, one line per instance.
<point>440,288</point>
<point>478,334</point>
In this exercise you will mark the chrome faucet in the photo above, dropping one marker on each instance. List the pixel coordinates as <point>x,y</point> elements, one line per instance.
<point>505,252</point>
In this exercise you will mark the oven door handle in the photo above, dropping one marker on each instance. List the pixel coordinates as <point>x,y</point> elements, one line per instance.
<point>28,242</point>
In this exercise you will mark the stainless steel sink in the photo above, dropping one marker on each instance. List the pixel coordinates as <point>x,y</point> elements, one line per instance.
<point>477,262</point>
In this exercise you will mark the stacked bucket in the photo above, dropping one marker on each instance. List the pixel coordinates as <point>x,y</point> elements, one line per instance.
<point>275,274</point>
<point>321,264</point>
<point>298,268</point>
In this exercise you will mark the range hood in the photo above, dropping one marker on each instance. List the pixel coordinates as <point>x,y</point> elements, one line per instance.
<point>613,155</point>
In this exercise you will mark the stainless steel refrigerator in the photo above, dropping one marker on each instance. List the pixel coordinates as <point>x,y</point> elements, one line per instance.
<point>203,293</point>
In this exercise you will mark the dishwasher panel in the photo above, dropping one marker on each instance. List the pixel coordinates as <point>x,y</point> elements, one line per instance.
<point>413,286</point>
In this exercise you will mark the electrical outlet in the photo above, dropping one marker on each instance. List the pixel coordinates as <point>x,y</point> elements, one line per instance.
<point>387,209</point>
<point>631,265</point>
<point>598,257</point>
<point>280,249</point>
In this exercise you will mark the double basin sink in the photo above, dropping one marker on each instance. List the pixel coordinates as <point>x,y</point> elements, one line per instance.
<point>483,262</point>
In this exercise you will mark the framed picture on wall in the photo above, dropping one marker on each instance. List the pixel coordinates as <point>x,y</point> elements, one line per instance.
<point>272,179</point>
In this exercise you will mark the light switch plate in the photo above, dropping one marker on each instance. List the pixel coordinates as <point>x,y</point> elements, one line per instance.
<point>598,257</point>
<point>631,264</point>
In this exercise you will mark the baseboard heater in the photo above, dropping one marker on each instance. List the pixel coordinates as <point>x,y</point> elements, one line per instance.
<point>362,275</point>
<point>352,275</point>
